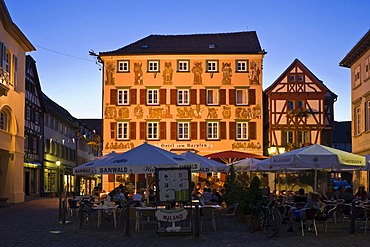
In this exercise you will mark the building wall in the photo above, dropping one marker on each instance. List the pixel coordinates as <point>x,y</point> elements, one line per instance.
<point>170,113</point>
<point>12,104</point>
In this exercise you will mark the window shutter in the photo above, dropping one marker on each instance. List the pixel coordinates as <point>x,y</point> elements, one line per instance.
<point>223,130</point>
<point>173,97</point>
<point>142,96</point>
<point>173,130</point>
<point>162,134</point>
<point>252,130</point>
<point>163,96</point>
<point>223,97</point>
<point>193,96</point>
<point>202,96</point>
<point>232,97</point>
<point>202,130</point>
<point>232,131</point>
<point>133,97</point>
<point>133,131</point>
<point>252,96</point>
<point>142,130</point>
<point>113,96</point>
<point>194,131</point>
<point>113,130</point>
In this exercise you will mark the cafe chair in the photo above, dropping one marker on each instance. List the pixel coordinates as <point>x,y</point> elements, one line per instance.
<point>308,219</point>
<point>208,214</point>
<point>230,211</point>
<point>326,215</point>
<point>73,207</point>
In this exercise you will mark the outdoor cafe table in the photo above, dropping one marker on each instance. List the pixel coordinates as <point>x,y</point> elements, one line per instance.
<point>106,207</point>
<point>141,210</point>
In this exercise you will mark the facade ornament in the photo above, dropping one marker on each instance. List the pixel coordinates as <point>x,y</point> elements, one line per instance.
<point>197,71</point>
<point>123,112</point>
<point>167,73</point>
<point>254,77</point>
<point>226,112</point>
<point>212,113</point>
<point>110,112</point>
<point>138,112</point>
<point>109,71</point>
<point>226,73</point>
<point>138,79</point>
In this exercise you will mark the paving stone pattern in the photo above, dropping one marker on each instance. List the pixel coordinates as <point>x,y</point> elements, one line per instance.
<point>35,223</point>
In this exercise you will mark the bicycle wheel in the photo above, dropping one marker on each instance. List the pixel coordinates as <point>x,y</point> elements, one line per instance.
<point>272,223</point>
<point>254,222</point>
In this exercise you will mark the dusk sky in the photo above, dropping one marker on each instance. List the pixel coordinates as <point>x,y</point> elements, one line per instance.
<point>318,33</point>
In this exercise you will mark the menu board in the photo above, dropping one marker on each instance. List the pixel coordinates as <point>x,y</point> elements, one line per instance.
<point>173,184</point>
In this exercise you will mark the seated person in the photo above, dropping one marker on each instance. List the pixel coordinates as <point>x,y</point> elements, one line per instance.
<point>207,195</point>
<point>301,197</point>
<point>297,214</point>
<point>137,198</point>
<point>118,197</point>
<point>347,196</point>
<point>361,194</point>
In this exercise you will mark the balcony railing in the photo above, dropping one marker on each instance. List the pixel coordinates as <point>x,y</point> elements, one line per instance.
<point>4,81</point>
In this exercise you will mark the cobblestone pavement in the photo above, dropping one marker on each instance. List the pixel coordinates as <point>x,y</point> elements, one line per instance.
<point>35,223</point>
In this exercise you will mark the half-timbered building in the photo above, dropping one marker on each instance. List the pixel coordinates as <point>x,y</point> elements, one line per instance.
<point>299,109</point>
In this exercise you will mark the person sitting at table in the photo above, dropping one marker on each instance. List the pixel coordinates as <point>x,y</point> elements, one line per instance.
<point>216,197</point>
<point>137,198</point>
<point>361,194</point>
<point>119,197</point>
<point>206,196</point>
<point>313,201</point>
<point>301,197</point>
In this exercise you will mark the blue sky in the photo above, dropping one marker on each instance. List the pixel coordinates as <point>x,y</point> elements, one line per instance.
<point>318,33</point>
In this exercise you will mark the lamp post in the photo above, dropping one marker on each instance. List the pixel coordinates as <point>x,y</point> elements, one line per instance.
<point>58,163</point>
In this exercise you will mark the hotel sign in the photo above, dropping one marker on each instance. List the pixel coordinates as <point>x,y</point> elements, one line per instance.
<point>184,145</point>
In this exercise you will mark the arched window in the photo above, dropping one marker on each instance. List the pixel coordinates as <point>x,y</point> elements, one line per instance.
<point>4,121</point>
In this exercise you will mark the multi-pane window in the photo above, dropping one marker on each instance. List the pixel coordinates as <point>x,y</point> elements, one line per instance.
<point>123,96</point>
<point>4,121</point>
<point>153,66</point>
<point>367,115</point>
<point>183,97</point>
<point>290,105</point>
<point>357,80</point>
<point>28,113</point>
<point>367,67</point>
<point>242,66</point>
<point>212,96</point>
<point>291,78</point>
<point>123,66</point>
<point>242,131</point>
<point>303,137</point>
<point>152,131</point>
<point>153,96</point>
<point>122,130</point>
<point>212,66</point>
<point>357,124</point>
<point>183,129</point>
<point>242,96</point>
<point>300,104</point>
<point>300,78</point>
<point>288,137</point>
<point>212,130</point>
<point>182,66</point>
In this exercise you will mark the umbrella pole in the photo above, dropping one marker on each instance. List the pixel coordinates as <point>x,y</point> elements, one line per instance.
<point>286,180</point>
<point>315,189</point>
<point>147,189</point>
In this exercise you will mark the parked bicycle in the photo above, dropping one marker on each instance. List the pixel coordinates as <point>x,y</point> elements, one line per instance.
<point>265,217</point>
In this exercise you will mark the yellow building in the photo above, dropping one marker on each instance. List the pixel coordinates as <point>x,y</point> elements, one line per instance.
<point>200,92</point>
<point>13,46</point>
<point>358,60</point>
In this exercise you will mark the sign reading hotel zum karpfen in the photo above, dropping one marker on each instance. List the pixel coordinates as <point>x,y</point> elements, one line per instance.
<point>184,145</point>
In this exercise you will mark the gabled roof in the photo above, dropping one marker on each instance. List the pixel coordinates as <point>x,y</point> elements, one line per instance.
<point>218,43</point>
<point>58,111</point>
<point>360,49</point>
<point>298,63</point>
<point>13,30</point>
<point>31,64</point>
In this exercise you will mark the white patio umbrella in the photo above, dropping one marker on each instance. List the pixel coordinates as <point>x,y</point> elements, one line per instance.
<point>206,165</point>
<point>144,159</point>
<point>315,157</point>
<point>246,165</point>
<point>89,167</point>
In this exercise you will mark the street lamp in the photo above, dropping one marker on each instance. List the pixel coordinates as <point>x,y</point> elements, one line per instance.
<point>58,163</point>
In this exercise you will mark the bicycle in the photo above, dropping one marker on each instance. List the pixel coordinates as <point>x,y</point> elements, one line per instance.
<point>85,213</point>
<point>267,218</point>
